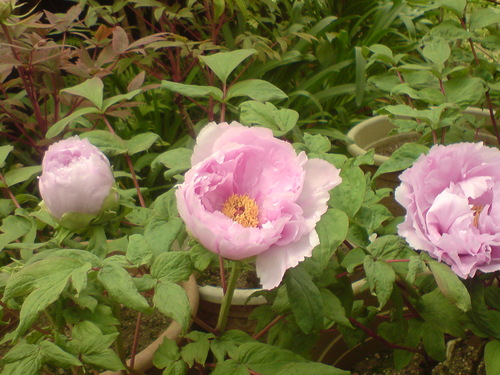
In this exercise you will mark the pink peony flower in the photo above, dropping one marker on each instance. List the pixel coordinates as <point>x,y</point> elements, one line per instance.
<point>76,178</point>
<point>249,194</point>
<point>452,199</point>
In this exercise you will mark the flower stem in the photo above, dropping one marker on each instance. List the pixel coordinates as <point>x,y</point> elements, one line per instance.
<point>228,297</point>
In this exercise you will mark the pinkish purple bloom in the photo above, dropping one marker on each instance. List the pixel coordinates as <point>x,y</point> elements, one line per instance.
<point>452,199</point>
<point>249,194</point>
<point>76,178</point>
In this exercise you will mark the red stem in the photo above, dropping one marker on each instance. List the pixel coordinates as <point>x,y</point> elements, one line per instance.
<point>258,335</point>
<point>374,335</point>
<point>136,340</point>
<point>11,195</point>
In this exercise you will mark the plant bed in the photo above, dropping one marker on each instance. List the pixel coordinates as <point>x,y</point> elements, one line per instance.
<point>464,357</point>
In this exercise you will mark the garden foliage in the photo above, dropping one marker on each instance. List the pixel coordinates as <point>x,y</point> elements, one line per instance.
<point>120,92</point>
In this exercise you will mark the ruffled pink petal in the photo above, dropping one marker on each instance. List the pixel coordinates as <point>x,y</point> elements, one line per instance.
<point>272,264</point>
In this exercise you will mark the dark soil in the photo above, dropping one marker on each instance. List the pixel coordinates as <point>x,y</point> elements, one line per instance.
<point>247,280</point>
<point>465,357</point>
<point>151,327</point>
<point>386,147</point>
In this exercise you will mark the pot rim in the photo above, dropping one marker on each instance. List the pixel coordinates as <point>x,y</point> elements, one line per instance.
<point>214,294</point>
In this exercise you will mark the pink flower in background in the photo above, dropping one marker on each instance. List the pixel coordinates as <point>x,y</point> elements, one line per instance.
<point>76,178</point>
<point>452,199</point>
<point>249,194</point>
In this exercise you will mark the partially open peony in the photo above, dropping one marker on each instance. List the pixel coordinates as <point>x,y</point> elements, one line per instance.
<point>452,199</point>
<point>249,194</point>
<point>76,178</point>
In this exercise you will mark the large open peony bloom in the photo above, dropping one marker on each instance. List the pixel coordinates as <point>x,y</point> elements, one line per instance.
<point>76,178</point>
<point>452,199</point>
<point>249,194</point>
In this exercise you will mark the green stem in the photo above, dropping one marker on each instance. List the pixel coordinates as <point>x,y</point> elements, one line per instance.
<point>228,297</point>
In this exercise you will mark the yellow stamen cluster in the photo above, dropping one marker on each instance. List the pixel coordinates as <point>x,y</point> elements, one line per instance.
<point>242,209</point>
<point>476,211</point>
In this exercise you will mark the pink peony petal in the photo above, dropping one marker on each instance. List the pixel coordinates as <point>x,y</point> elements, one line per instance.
<point>452,201</point>
<point>290,191</point>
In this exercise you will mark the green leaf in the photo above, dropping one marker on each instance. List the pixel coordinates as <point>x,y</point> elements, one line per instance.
<point>492,357</point>
<point>228,342</point>
<point>178,159</point>
<point>107,359</point>
<point>256,89</point>
<point>22,359</point>
<point>317,143</point>
<point>305,299</point>
<point>387,247</point>
<point>119,98</point>
<point>141,142</point>
<point>196,351</point>
<point>172,301</point>
<point>167,352</point>
<point>110,144</point>
<point>56,356</point>
<point>486,319</point>
<point>15,176</point>
<point>311,368</point>
<point>437,310</point>
<point>330,239</point>
<point>450,285</point>
<point>438,51</point>
<point>192,90</point>
<point>93,346</point>
<point>174,266</point>
<point>13,227</point>
<point>59,126</point>
<point>360,75</point>
<point>270,360</point>
<point>161,234</point>
<point>223,63</point>
<point>4,152</point>
<point>166,205</point>
<point>349,195</point>
<point>44,281</point>
<point>230,367</point>
<point>415,265</point>
<point>219,6</point>
<point>353,258</point>
<point>138,250</point>
<point>433,340</point>
<point>334,310</point>
<point>456,6</point>
<point>120,286</point>
<point>381,278</point>
<point>91,89</point>
<point>464,91</point>
<point>280,121</point>
<point>402,158</point>
<point>178,367</point>
<point>483,17</point>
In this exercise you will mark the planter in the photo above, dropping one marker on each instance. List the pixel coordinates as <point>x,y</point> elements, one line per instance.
<point>144,359</point>
<point>374,133</point>
<point>241,307</point>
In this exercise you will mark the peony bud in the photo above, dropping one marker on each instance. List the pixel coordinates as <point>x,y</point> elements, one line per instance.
<point>6,8</point>
<point>76,182</point>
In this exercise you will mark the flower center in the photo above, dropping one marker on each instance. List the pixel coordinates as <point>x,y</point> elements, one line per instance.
<point>242,209</point>
<point>476,211</point>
